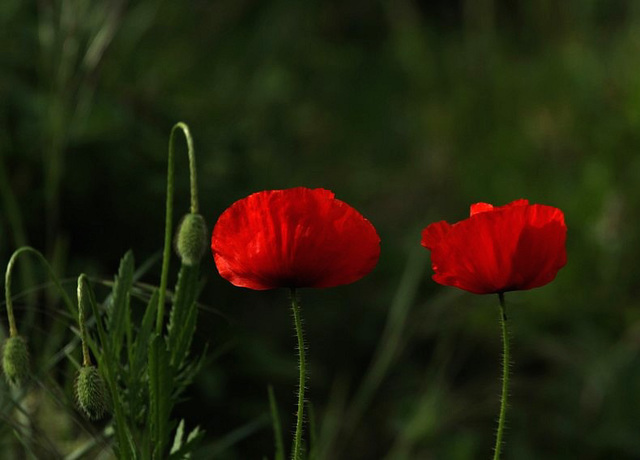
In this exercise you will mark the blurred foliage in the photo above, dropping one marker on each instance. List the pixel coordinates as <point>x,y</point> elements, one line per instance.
<point>409,111</point>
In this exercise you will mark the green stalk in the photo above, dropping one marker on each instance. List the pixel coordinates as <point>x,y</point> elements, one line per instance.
<point>505,377</point>
<point>297,444</point>
<point>86,356</point>
<point>169,213</point>
<point>8,276</point>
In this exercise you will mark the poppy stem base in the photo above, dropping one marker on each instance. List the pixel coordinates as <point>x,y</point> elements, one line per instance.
<point>297,444</point>
<point>505,377</point>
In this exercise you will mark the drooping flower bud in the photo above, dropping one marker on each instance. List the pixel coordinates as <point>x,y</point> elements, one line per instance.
<point>15,360</point>
<point>191,239</point>
<point>91,392</point>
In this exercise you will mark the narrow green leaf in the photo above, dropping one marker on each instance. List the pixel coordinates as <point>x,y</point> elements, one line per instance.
<point>194,435</point>
<point>185,450</point>
<point>141,343</point>
<point>225,442</point>
<point>277,426</point>
<point>160,389</point>
<point>184,312</point>
<point>313,432</point>
<point>110,367</point>
<point>188,373</point>
<point>137,385</point>
<point>119,311</point>
<point>177,439</point>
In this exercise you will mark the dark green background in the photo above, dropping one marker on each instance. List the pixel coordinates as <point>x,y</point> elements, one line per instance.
<point>409,111</point>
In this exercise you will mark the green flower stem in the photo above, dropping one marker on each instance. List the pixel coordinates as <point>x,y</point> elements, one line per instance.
<point>505,377</point>
<point>297,444</point>
<point>169,213</point>
<point>13,329</point>
<point>8,276</point>
<point>86,357</point>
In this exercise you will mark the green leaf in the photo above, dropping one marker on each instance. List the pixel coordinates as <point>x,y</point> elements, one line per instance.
<point>141,343</point>
<point>313,432</point>
<point>119,311</point>
<point>185,450</point>
<point>277,426</point>
<point>177,439</point>
<point>160,389</point>
<point>137,384</point>
<point>110,367</point>
<point>184,313</point>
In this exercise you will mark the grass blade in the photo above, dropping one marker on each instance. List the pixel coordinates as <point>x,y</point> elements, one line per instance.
<point>160,388</point>
<point>184,312</point>
<point>110,367</point>
<point>277,426</point>
<point>119,311</point>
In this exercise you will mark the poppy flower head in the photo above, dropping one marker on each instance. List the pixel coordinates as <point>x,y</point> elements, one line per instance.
<point>293,238</point>
<point>497,249</point>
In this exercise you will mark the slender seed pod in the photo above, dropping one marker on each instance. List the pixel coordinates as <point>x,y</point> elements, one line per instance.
<point>191,239</point>
<point>91,392</point>
<point>15,360</point>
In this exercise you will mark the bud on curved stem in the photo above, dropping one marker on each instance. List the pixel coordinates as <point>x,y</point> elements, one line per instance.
<point>91,392</point>
<point>15,356</point>
<point>169,212</point>
<point>15,360</point>
<point>191,239</point>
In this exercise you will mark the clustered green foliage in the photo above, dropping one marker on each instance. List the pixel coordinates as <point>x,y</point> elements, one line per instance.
<point>145,372</point>
<point>15,360</point>
<point>140,374</point>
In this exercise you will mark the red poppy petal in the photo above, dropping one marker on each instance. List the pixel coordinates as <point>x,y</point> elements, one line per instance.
<point>479,261</point>
<point>497,249</point>
<point>434,233</point>
<point>480,207</point>
<point>293,238</point>
<point>541,251</point>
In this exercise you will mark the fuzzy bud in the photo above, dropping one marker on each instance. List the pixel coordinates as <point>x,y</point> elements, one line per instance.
<point>15,360</point>
<point>191,239</point>
<point>91,392</point>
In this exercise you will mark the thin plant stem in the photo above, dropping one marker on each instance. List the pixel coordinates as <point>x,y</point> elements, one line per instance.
<point>8,276</point>
<point>505,377</point>
<point>277,428</point>
<point>86,357</point>
<point>193,177</point>
<point>13,329</point>
<point>297,443</point>
<point>169,213</point>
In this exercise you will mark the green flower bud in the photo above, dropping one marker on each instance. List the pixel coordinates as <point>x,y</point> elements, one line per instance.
<point>15,360</point>
<point>191,239</point>
<point>91,392</point>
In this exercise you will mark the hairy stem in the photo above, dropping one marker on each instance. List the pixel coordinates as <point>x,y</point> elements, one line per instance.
<point>86,357</point>
<point>297,444</point>
<point>505,377</point>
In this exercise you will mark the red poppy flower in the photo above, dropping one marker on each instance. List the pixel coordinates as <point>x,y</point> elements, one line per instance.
<point>293,238</point>
<point>507,248</point>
